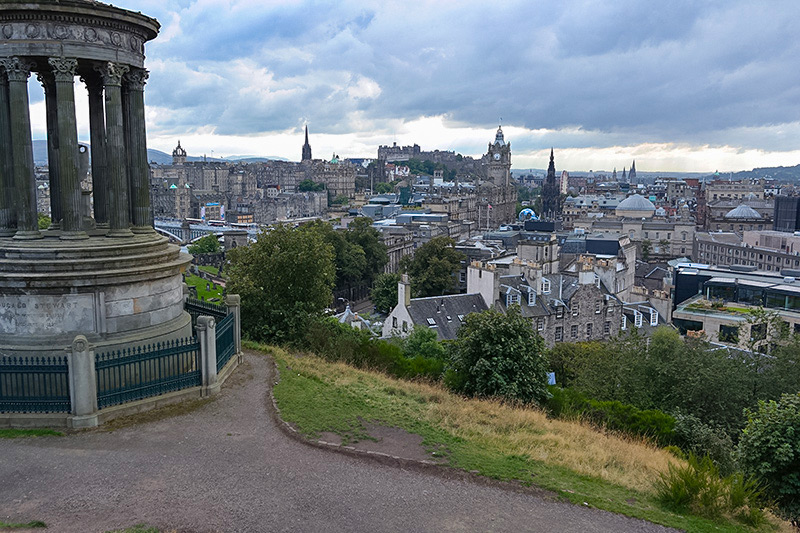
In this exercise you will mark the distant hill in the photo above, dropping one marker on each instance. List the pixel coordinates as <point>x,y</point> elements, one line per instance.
<point>155,156</point>
<point>789,174</point>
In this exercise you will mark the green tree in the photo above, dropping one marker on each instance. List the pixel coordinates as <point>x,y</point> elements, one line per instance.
<point>423,342</point>
<point>498,354</point>
<point>384,292</point>
<point>383,188</point>
<point>340,200</point>
<point>350,260</point>
<point>361,233</point>
<point>310,186</point>
<point>44,221</point>
<point>770,449</point>
<point>433,267</point>
<point>208,244</point>
<point>647,247</point>
<point>284,279</point>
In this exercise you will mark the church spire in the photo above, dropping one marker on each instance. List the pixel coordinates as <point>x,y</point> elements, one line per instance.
<point>306,148</point>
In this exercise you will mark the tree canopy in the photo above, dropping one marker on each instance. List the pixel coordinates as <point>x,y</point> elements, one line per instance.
<point>284,279</point>
<point>433,267</point>
<point>498,354</point>
<point>383,188</point>
<point>361,233</point>
<point>349,258</point>
<point>384,292</point>
<point>308,185</point>
<point>208,244</point>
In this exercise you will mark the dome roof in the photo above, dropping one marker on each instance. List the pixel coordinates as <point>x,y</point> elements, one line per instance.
<point>636,206</point>
<point>743,211</point>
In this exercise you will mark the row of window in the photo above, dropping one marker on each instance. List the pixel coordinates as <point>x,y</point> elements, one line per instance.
<point>573,330</point>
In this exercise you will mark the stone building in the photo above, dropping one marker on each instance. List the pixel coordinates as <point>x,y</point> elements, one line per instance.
<point>739,215</point>
<point>497,196</point>
<point>728,249</point>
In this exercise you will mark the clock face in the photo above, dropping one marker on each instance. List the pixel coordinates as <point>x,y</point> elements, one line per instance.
<point>497,157</point>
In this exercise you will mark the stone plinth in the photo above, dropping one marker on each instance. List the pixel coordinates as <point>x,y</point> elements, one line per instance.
<point>117,293</point>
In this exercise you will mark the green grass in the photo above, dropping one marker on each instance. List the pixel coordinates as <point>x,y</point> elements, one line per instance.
<point>209,269</point>
<point>33,524</point>
<point>200,284</point>
<point>18,433</point>
<point>321,397</point>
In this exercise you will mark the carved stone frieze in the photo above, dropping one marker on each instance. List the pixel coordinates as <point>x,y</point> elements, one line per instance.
<point>75,32</point>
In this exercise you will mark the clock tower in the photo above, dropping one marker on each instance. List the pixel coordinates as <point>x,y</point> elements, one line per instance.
<point>498,160</point>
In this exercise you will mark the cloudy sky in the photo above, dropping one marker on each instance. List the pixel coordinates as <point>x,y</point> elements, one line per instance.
<point>676,85</point>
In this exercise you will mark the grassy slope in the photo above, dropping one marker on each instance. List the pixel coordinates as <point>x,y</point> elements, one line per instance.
<point>19,433</point>
<point>575,461</point>
<point>200,283</point>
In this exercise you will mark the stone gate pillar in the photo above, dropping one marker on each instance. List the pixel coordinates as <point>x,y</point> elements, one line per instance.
<point>119,217</point>
<point>64,70</point>
<point>18,70</point>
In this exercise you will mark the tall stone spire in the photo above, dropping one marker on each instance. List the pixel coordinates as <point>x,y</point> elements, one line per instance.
<point>306,148</point>
<point>550,192</point>
<point>632,173</point>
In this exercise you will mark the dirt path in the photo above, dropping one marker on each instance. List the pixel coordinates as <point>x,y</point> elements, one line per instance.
<point>226,467</point>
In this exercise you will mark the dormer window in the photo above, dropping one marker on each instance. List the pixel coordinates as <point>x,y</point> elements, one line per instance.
<point>637,319</point>
<point>546,286</point>
<point>653,317</point>
<point>624,322</point>
<point>512,298</point>
<point>532,298</point>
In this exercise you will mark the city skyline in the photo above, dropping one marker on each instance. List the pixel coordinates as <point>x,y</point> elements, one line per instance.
<point>683,88</point>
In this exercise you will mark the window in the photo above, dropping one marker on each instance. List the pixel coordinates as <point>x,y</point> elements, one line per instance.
<point>559,333</point>
<point>589,331</point>
<point>531,297</point>
<point>546,286</point>
<point>637,319</point>
<point>512,298</point>
<point>653,317</point>
<point>462,276</point>
<point>405,326</point>
<point>607,329</point>
<point>540,324</point>
<point>598,305</point>
<point>576,309</point>
<point>559,312</point>
<point>624,322</point>
<point>573,331</point>
<point>394,322</point>
<point>461,318</point>
<point>431,322</point>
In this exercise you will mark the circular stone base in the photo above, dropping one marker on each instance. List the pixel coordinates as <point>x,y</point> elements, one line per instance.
<point>116,292</point>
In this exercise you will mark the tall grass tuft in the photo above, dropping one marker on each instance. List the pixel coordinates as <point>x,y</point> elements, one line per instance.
<point>697,487</point>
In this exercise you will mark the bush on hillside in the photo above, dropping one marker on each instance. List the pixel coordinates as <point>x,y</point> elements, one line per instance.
<point>770,449</point>
<point>613,415</point>
<point>692,435</point>
<point>339,342</point>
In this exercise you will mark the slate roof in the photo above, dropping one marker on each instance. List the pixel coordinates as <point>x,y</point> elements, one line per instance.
<point>447,312</point>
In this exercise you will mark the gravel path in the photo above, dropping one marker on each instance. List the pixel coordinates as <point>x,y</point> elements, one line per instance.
<point>227,467</point>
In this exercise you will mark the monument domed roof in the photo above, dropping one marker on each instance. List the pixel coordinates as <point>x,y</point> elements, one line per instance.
<point>743,211</point>
<point>635,206</point>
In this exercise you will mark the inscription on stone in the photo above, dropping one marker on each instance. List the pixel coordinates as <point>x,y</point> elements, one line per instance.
<point>47,315</point>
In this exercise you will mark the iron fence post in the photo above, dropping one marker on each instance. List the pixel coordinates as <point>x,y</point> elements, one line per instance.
<point>208,353</point>
<point>83,383</point>
<point>234,306</point>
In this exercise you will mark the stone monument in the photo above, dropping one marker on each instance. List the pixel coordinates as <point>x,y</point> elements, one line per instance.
<point>103,273</point>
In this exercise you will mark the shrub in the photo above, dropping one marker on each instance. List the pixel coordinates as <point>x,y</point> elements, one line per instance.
<point>697,487</point>
<point>695,436</point>
<point>339,342</point>
<point>569,403</point>
<point>499,354</point>
<point>770,449</point>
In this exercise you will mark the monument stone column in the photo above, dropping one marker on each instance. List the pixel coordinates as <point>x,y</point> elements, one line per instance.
<point>18,71</point>
<point>119,216</point>
<point>8,213</point>
<point>139,177</point>
<point>97,138</point>
<point>64,70</point>
<point>51,108</point>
